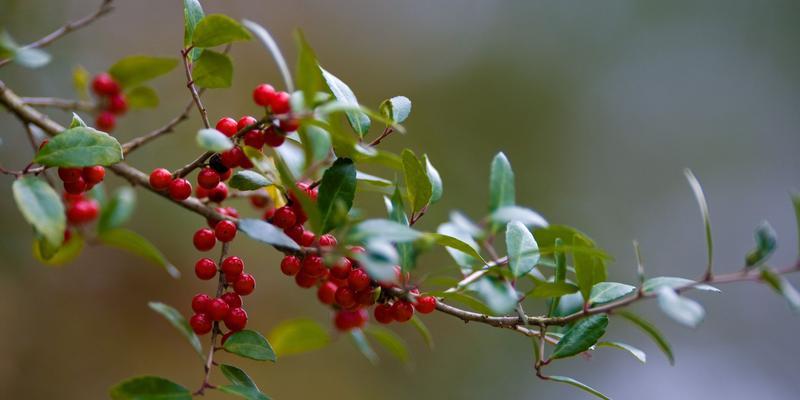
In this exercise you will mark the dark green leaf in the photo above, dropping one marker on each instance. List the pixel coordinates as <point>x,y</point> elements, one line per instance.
<point>316,144</point>
<point>701,201</point>
<point>685,311</point>
<point>498,294</point>
<point>589,269</point>
<point>136,244</point>
<point>396,109</point>
<point>337,190</point>
<point>640,355</point>
<point>783,287</point>
<point>118,210</point>
<point>142,97</point>
<point>437,190</point>
<point>393,343</point>
<point>192,14</point>
<point>217,29</point>
<point>266,39</point>
<point>651,331</point>
<point>358,120</point>
<point>213,70</point>
<point>522,249</point>
<point>363,345</point>
<point>581,336</point>
<point>383,229</point>
<point>41,206</point>
<point>579,385</point>
<point>605,292</point>
<point>248,180</point>
<point>766,243</point>
<point>246,392</point>
<point>179,322</point>
<point>307,72</point>
<point>423,330</point>
<point>528,217</point>
<point>501,183</point>
<point>213,140</point>
<point>134,70</point>
<point>553,289</point>
<point>149,388</point>
<point>250,344</point>
<point>298,336</point>
<point>418,186</point>
<point>653,284</point>
<point>236,376</point>
<point>66,253</point>
<point>266,233</point>
<point>80,147</point>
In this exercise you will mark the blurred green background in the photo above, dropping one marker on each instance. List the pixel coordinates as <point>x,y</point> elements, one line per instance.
<point>599,106</point>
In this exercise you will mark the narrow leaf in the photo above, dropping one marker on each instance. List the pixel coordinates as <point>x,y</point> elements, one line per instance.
<point>390,341</point>
<point>248,180</point>
<point>236,376</point>
<point>265,38</point>
<point>553,289</point>
<point>118,210</point>
<point>423,330</point>
<point>266,233</point>
<point>41,206</point>
<point>362,344</point>
<point>307,72</point>
<point>45,253</point>
<point>581,336</point>
<point>528,217</point>
<point>605,292</point>
<point>685,311</point>
<point>418,187</point>
<point>577,384</point>
<point>651,331</point>
<point>653,284</point>
<point>384,229</point>
<point>192,14</point>
<point>134,70</point>
<point>701,201</point>
<point>640,355</point>
<point>179,322</point>
<point>437,190</point>
<point>136,244</point>
<point>245,392</point>
<point>358,120</point>
<point>782,286</point>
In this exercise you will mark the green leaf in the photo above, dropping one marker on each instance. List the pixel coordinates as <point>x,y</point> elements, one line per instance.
<point>685,311</point>
<point>796,205</point>
<point>136,244</point>
<point>383,229</point>
<point>782,286</point>
<point>267,233</point>
<point>266,39</point>
<point>393,343</point>
<point>298,336</point>
<point>28,57</point>
<point>464,259</point>
<point>522,249</point>
<point>358,120</point>
<point>316,144</point>
<point>45,253</point>
<point>77,121</point>
<point>639,354</point>
<point>80,147</point>
<point>288,181</point>
<point>437,190</point>
<point>118,210</point>
<point>528,217</point>
<point>651,331</point>
<point>213,70</point>
<point>217,29</point>
<point>581,336</point>
<point>213,140</point>
<point>134,70</point>
<point>336,193</point>
<point>396,109</point>
<point>546,236</point>
<point>423,330</point>
<point>248,180</point>
<point>396,210</point>
<point>379,260</point>
<point>179,322</point>
<point>192,14</point>
<point>453,243</point>
<point>307,72</point>
<point>41,206</point>
<point>553,289</point>
<point>250,344</point>
<point>766,243</point>
<point>605,292</point>
<point>142,97</point>
<point>149,388</point>
<point>261,162</point>
<point>577,384</point>
<point>418,187</point>
<point>363,345</point>
<point>498,295</point>
<point>469,301</point>
<point>245,392</point>
<point>701,201</point>
<point>236,376</point>
<point>501,183</point>
<point>653,284</point>
<point>589,269</point>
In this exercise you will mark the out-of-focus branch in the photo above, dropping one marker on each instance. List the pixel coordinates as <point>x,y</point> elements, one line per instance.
<point>64,104</point>
<point>133,144</point>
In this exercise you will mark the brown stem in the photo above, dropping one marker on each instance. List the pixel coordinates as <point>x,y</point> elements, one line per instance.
<point>215,330</point>
<point>386,132</point>
<point>63,104</point>
<point>192,88</point>
<point>169,127</point>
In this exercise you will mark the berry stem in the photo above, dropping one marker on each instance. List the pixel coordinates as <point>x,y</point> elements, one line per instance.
<point>215,330</point>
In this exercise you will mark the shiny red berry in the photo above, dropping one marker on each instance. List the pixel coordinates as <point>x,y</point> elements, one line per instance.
<point>273,138</point>
<point>205,268</point>
<point>305,281</point>
<point>244,285</point>
<point>342,268</point>
<point>345,297</point>
<point>160,179</point>
<point>227,126</point>
<point>279,103</point>
<point>365,297</point>
<point>200,323</point>
<point>204,239</point>
<point>232,265</point>
<point>75,187</point>
<point>233,299</point>
<point>327,292</point>
<point>262,94</point>
<point>117,104</point>
<point>307,239</point>
<point>218,309</point>
<point>347,320</point>
<point>425,304</point>
<point>295,232</point>
<point>245,121</point>
<point>236,319</point>
<point>180,189</point>
<point>402,311</point>
<point>82,211</point>
<point>103,84</point>
<point>93,175</point>
<point>259,201</point>
<point>327,240</point>
<point>106,121</point>
<point>358,279</point>
<point>289,124</point>
<point>207,178</point>
<point>200,193</point>
<point>313,266</point>
<point>290,265</point>
<point>219,193</point>
<point>225,175</point>
<point>69,174</point>
<point>284,217</point>
<point>225,231</point>
<point>383,313</point>
<point>200,303</point>
<point>232,158</point>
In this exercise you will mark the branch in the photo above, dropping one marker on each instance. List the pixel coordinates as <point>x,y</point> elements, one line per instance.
<point>105,8</point>
<point>169,127</point>
<point>192,88</point>
<point>64,104</point>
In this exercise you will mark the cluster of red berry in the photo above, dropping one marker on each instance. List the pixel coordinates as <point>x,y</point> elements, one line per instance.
<point>77,181</point>
<point>112,101</point>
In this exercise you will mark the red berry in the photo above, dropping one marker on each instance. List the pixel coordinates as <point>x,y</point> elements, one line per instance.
<point>104,85</point>
<point>207,178</point>
<point>295,232</point>
<point>263,93</point>
<point>259,201</point>
<point>232,265</point>
<point>273,138</point>
<point>244,285</point>
<point>300,215</point>
<point>200,323</point>
<point>82,211</point>
<point>425,304</point>
<point>232,278</point>
<point>204,239</point>
<point>284,217</point>
<point>341,270</point>
<point>200,193</point>
<point>327,240</point>
<point>227,126</point>
<point>245,121</point>
<point>347,320</point>
<point>383,313</point>
<point>200,303</point>
<point>236,319</point>
<point>313,266</point>
<point>231,158</point>
<point>76,187</point>
<point>160,178</point>
<point>279,103</point>
<point>205,268</point>
<point>180,189</point>
<point>233,299</point>
<point>305,281</point>
<point>106,121</point>
<point>117,104</point>
<point>69,174</point>
<point>269,213</point>
<point>365,297</point>
<point>225,231</point>
<point>358,279</point>
<point>307,239</point>
<point>93,175</point>
<point>245,162</point>
<point>225,175</point>
<point>218,309</point>
<point>289,124</point>
<point>345,297</point>
<point>219,193</point>
<point>327,293</point>
<point>290,265</point>
<point>226,336</point>
<point>402,311</point>
<point>254,138</point>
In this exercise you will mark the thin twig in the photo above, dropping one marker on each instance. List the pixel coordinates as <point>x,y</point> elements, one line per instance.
<point>192,88</point>
<point>63,104</point>
<point>167,128</point>
<point>386,132</point>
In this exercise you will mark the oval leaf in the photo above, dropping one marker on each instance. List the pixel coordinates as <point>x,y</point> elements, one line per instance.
<point>298,336</point>
<point>249,344</point>
<point>267,233</point>
<point>418,187</point>
<point>501,183</point>
<point>396,109</point>
<point>213,140</point>
<point>118,210</point>
<point>248,180</point>
<point>179,322</point>
<point>336,192</point>
<point>80,147</point>
<point>142,97</point>
<point>581,336</point>
<point>604,292</point>
<point>653,284</point>
<point>69,251</point>
<point>382,229</point>
<point>685,311</point>
<point>136,244</point>
<point>528,217</point>
<point>216,29</point>
<point>213,70</point>
<point>358,120</point>
<point>437,190</point>
<point>522,249</point>
<point>149,387</point>
<point>236,376</point>
<point>553,289</point>
<point>651,331</point>
<point>41,206</point>
<point>134,70</point>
